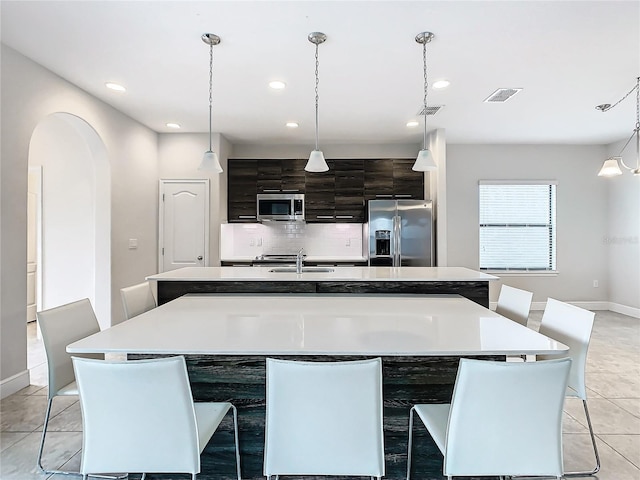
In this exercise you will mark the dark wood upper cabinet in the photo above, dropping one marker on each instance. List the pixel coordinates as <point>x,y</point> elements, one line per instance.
<point>406,182</point>
<point>339,195</point>
<point>319,195</point>
<point>378,178</point>
<point>242,187</point>
<point>293,176</point>
<point>349,190</point>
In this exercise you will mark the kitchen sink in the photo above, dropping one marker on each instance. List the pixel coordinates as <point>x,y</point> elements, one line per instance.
<point>304,270</point>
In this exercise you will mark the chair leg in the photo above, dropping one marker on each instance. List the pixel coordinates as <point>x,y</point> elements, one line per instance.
<point>410,443</point>
<point>63,472</point>
<point>235,431</point>
<point>595,448</point>
<point>40,451</point>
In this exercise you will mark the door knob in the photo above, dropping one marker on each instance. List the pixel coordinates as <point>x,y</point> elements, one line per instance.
<point>200,257</point>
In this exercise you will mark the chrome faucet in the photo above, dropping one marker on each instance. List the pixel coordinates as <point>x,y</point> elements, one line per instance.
<point>299,261</point>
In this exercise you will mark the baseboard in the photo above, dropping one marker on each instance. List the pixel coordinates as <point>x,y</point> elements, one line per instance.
<point>585,305</point>
<point>624,309</point>
<point>614,307</point>
<point>14,384</point>
<point>592,305</point>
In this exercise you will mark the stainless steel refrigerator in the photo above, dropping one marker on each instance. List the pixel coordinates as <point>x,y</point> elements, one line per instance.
<point>400,233</point>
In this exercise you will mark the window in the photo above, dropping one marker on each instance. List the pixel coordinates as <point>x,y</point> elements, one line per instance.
<point>517,226</point>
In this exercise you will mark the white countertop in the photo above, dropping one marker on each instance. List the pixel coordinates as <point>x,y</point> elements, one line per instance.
<point>307,258</point>
<point>367,274</point>
<point>386,325</point>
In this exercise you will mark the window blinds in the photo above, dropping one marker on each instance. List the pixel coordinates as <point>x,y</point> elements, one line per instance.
<point>518,226</point>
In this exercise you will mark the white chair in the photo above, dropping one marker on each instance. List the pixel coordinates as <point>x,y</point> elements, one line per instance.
<point>151,425</point>
<point>61,326</point>
<point>137,299</point>
<point>324,418</point>
<point>514,304</point>
<point>505,419</point>
<point>572,326</point>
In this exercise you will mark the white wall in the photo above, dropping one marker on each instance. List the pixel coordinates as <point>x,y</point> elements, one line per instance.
<point>179,155</point>
<point>68,214</point>
<point>581,211</point>
<point>30,93</point>
<point>330,151</point>
<point>622,237</point>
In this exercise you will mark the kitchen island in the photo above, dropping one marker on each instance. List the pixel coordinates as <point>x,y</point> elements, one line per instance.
<point>226,338</point>
<point>339,280</point>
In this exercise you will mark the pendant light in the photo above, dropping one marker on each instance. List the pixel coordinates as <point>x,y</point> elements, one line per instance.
<point>210,162</point>
<point>611,166</point>
<point>316,161</point>
<point>425,161</point>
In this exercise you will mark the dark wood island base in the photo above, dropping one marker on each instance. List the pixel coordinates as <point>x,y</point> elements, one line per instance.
<point>477,291</point>
<point>241,380</point>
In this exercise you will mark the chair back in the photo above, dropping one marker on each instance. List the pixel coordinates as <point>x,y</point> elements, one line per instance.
<point>137,416</point>
<point>514,304</point>
<point>324,418</point>
<point>572,326</point>
<point>61,326</point>
<point>506,419</point>
<point>137,299</point>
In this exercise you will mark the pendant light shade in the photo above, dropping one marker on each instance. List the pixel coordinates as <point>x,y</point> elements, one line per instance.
<point>610,168</point>
<point>425,161</point>
<point>210,162</point>
<point>316,161</point>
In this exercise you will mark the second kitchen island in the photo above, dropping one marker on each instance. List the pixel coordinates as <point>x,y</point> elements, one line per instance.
<point>339,280</point>
<point>227,338</point>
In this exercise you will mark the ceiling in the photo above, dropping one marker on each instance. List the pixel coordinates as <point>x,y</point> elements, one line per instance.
<point>567,56</point>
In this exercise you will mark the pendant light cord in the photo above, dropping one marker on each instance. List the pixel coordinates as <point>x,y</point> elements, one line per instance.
<point>210,90</point>
<point>636,130</point>
<point>424,112</point>
<point>317,82</point>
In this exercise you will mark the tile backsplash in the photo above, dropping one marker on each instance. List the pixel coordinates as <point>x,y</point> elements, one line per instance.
<point>240,241</point>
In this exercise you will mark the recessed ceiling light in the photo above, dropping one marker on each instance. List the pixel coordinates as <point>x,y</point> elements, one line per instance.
<point>413,124</point>
<point>277,85</point>
<point>115,86</point>
<point>173,125</point>
<point>441,84</point>
<point>292,124</point>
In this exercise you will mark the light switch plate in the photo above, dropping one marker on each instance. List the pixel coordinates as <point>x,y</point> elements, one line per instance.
<point>133,243</point>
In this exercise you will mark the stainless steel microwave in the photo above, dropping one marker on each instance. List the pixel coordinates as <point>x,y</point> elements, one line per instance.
<point>284,207</point>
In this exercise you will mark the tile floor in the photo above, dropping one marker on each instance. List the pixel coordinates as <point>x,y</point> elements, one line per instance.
<point>613,379</point>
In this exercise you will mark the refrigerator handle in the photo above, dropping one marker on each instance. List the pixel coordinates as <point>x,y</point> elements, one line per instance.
<point>399,241</point>
<point>396,243</point>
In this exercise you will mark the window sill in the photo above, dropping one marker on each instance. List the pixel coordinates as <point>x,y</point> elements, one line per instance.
<point>521,273</point>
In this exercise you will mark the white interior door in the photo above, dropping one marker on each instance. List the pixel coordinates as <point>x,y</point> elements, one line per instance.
<point>184,224</point>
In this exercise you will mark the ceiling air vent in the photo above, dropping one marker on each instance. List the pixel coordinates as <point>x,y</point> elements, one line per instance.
<point>429,110</point>
<point>502,95</point>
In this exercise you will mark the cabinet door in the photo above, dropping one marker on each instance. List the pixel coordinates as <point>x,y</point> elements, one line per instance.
<point>378,178</point>
<point>406,182</point>
<point>349,190</point>
<point>269,176</point>
<point>241,191</point>
<point>392,178</point>
<point>293,176</point>
<point>319,195</point>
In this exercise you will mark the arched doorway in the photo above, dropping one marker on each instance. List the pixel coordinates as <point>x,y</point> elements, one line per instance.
<point>74,248</point>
